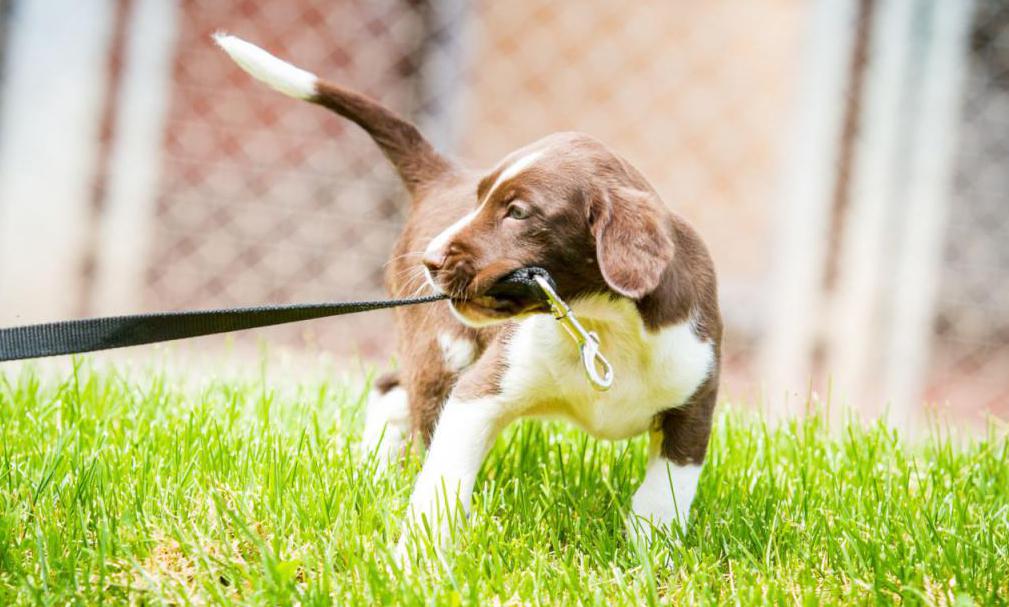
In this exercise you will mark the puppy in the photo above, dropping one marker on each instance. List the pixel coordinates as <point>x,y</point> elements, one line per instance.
<point>634,273</point>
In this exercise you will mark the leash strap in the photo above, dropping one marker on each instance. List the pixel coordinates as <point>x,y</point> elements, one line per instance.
<point>88,335</point>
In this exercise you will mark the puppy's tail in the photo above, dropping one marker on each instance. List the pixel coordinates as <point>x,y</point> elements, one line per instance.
<point>416,160</point>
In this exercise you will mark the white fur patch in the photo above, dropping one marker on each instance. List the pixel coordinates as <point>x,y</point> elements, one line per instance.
<point>261,65</point>
<point>458,352</point>
<point>665,495</point>
<point>653,371</point>
<point>386,426</point>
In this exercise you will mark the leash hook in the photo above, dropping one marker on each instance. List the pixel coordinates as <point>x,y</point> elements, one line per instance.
<point>597,368</point>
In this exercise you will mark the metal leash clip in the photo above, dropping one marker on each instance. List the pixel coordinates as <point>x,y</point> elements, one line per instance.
<point>588,342</point>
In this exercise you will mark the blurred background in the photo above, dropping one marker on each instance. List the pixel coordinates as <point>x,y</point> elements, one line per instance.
<point>847,162</point>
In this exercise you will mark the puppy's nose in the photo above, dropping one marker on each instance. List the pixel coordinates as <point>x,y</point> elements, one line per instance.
<point>435,260</point>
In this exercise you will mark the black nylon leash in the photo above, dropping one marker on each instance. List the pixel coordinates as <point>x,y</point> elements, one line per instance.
<point>91,334</point>
<point>88,335</point>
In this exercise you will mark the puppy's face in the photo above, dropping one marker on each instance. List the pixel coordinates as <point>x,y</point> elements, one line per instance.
<point>565,204</point>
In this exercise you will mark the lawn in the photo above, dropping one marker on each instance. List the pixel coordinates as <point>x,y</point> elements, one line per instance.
<point>132,487</point>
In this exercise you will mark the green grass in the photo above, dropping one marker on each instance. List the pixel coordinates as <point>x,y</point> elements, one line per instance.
<point>128,487</point>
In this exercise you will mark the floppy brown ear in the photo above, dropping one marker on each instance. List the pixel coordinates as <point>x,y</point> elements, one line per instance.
<point>633,243</point>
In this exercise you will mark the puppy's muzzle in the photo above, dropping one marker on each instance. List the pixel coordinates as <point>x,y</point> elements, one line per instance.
<point>515,293</point>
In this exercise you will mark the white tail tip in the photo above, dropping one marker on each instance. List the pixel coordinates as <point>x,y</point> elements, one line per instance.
<point>276,73</point>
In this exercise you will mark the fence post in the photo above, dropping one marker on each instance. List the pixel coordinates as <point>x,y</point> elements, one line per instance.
<point>809,174</point>
<point>124,231</point>
<point>858,296</point>
<point>55,81</point>
<point>931,165</point>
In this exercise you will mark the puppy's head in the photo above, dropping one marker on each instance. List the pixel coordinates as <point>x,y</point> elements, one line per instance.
<point>566,204</point>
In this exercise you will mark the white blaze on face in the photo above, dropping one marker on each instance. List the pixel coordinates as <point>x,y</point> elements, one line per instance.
<point>441,241</point>
<point>513,170</point>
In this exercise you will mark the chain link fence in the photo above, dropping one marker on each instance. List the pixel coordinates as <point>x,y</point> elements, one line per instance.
<point>265,199</point>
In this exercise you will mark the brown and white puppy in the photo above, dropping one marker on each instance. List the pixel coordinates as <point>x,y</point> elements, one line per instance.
<point>633,271</point>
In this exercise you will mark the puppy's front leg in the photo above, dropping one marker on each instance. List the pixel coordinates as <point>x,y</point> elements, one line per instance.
<point>465,432</point>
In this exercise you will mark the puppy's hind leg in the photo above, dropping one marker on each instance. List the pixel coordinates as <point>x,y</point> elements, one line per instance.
<point>675,458</point>
<point>386,422</point>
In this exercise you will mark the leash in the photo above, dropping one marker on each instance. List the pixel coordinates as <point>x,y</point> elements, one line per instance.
<point>92,334</point>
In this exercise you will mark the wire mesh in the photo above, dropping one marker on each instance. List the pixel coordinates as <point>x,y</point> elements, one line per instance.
<point>265,199</point>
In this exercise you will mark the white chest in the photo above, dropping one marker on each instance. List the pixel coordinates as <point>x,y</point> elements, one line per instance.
<point>653,371</point>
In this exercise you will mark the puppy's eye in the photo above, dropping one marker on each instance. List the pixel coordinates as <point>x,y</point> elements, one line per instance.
<point>517,211</point>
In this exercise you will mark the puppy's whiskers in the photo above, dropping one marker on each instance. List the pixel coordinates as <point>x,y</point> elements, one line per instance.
<point>414,280</point>
<point>410,273</point>
<point>423,286</point>
<point>410,255</point>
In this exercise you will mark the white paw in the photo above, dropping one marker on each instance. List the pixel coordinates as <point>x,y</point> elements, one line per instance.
<point>661,506</point>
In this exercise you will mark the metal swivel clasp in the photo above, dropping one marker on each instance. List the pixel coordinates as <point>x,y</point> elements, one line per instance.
<point>597,368</point>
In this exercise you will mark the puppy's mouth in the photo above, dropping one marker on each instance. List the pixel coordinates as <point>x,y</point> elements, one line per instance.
<point>501,300</point>
<point>486,307</point>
